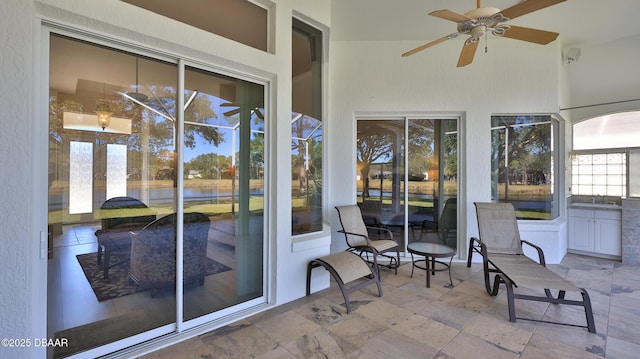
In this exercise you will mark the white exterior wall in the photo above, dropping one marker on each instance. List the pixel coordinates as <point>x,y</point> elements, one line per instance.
<point>23,144</point>
<point>372,77</point>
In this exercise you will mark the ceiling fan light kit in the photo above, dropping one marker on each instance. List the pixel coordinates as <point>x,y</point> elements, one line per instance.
<point>482,20</point>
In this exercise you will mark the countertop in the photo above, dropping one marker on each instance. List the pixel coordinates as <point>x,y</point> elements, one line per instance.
<point>596,206</point>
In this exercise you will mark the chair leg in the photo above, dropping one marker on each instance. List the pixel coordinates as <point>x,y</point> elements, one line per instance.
<point>470,253</point>
<point>591,325</point>
<point>510,295</point>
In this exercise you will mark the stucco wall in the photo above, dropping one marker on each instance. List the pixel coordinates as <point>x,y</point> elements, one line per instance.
<point>605,75</point>
<point>23,92</point>
<point>16,179</point>
<point>372,77</point>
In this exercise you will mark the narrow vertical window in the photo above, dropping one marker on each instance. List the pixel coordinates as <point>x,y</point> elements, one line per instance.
<point>306,129</point>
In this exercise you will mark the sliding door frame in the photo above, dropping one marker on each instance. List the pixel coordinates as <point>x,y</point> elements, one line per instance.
<point>178,330</point>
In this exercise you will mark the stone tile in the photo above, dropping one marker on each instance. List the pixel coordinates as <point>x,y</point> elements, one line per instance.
<point>427,331</point>
<point>500,333</point>
<point>286,327</point>
<point>243,343</point>
<point>473,303</point>
<point>465,345</point>
<point>384,313</point>
<point>541,347</point>
<point>624,323</point>
<point>412,321</point>
<point>391,344</point>
<point>452,316</point>
<point>579,338</point>
<point>620,349</point>
<point>322,311</point>
<point>277,353</point>
<point>317,344</point>
<point>355,331</point>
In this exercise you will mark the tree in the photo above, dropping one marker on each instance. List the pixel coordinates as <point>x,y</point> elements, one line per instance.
<point>370,148</point>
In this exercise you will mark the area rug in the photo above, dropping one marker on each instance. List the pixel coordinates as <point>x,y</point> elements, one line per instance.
<point>118,283</point>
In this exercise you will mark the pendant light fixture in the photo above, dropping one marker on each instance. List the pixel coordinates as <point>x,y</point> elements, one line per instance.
<point>102,110</point>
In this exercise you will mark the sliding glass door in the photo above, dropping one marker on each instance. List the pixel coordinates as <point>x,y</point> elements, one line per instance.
<point>407,177</point>
<point>156,197</point>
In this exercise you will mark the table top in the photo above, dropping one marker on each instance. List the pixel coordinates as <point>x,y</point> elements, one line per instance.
<point>431,249</point>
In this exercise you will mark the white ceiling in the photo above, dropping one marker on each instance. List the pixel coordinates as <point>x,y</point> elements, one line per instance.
<point>579,22</point>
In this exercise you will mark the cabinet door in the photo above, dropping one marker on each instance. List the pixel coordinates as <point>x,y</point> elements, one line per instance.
<point>607,238</point>
<point>581,234</point>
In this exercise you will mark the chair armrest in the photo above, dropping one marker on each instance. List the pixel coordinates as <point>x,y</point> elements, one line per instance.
<point>388,233</point>
<point>483,247</point>
<point>357,234</point>
<point>538,249</point>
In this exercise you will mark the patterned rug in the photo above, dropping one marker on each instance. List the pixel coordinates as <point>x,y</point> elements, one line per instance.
<point>118,283</point>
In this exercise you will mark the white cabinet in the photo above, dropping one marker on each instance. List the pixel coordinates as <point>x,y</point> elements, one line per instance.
<point>595,231</point>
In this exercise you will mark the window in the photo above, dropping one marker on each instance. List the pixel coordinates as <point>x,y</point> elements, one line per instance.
<point>604,164</point>
<point>306,129</point>
<point>598,175</point>
<point>524,163</point>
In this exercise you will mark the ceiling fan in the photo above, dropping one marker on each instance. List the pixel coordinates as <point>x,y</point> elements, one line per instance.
<point>482,20</point>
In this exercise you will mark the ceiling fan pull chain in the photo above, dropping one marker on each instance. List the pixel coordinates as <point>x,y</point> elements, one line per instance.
<point>486,43</point>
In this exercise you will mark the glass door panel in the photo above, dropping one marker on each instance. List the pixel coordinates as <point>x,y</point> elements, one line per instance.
<point>224,189</point>
<point>111,173</point>
<point>380,182</point>
<point>428,179</point>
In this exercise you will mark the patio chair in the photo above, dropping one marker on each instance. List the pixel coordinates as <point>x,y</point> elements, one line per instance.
<point>153,251</point>
<point>364,240</point>
<point>345,267</point>
<point>119,215</point>
<point>502,254</point>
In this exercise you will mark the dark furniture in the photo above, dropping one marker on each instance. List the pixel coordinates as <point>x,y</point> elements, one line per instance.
<point>345,267</point>
<point>364,240</point>
<point>502,255</point>
<point>431,251</point>
<point>153,251</point>
<point>119,215</point>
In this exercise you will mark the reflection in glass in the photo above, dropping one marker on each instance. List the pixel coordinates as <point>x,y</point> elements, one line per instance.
<point>429,182</point>
<point>523,164</point>
<point>224,182</point>
<point>130,182</point>
<point>80,177</point>
<point>306,129</point>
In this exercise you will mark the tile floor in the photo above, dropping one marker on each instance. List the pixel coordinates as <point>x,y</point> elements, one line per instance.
<point>412,321</point>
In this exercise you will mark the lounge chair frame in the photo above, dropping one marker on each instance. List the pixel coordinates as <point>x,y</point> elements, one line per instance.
<point>514,269</point>
<point>345,267</point>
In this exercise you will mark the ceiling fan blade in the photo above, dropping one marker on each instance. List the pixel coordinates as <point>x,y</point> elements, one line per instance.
<point>531,35</point>
<point>432,43</point>
<point>468,51</point>
<point>527,6</point>
<point>450,15</point>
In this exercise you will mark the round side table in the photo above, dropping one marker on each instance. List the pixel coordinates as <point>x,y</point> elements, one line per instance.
<point>431,251</point>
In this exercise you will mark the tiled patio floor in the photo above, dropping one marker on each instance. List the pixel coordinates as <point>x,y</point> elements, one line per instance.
<point>412,321</point>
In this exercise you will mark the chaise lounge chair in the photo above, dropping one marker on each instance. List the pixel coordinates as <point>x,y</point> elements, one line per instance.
<point>502,254</point>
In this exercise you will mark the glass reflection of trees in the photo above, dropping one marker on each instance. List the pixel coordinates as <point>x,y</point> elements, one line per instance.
<point>522,163</point>
<point>306,170</point>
